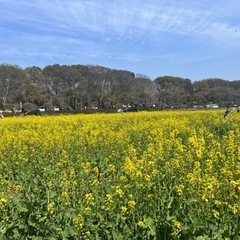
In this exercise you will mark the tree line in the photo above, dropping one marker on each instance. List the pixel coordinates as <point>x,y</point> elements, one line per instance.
<point>87,86</point>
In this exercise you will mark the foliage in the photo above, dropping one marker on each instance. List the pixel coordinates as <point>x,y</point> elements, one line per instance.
<point>85,86</point>
<point>158,175</point>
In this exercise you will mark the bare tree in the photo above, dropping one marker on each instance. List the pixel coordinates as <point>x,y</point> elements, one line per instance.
<point>143,90</point>
<point>11,84</point>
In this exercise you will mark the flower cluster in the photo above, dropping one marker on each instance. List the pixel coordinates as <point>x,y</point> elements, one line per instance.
<point>128,176</point>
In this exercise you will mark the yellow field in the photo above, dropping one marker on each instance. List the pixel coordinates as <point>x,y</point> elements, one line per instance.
<point>158,175</point>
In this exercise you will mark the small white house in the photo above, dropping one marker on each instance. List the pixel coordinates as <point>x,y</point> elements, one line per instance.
<point>212,105</point>
<point>56,109</point>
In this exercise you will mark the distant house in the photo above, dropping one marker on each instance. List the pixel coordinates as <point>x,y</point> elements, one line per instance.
<point>212,105</point>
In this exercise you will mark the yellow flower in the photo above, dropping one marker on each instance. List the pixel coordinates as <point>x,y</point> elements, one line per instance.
<point>215,213</point>
<point>234,208</point>
<point>119,191</point>
<point>78,221</point>
<point>109,198</point>
<point>217,203</point>
<point>87,210</point>
<point>130,196</point>
<point>89,197</point>
<point>64,194</point>
<point>124,209</point>
<point>141,224</point>
<point>131,203</point>
<point>3,201</point>
<point>177,224</point>
<point>50,207</point>
<point>180,189</point>
<point>96,171</point>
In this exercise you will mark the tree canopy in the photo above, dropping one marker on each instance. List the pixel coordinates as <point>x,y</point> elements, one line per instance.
<point>84,86</point>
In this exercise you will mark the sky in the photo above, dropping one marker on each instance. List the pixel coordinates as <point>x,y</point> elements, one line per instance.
<point>194,39</point>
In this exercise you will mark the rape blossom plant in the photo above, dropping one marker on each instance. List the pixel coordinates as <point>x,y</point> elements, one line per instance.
<point>145,175</point>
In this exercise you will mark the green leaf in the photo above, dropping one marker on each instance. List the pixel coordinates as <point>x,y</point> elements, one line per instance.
<point>218,234</point>
<point>69,231</point>
<point>202,238</point>
<point>37,238</point>
<point>22,209</point>
<point>151,225</point>
<point>170,218</point>
<point>117,235</point>
<point>52,194</point>
<point>21,226</point>
<point>42,219</point>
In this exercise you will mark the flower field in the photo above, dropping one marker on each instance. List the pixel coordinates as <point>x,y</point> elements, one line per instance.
<point>145,175</point>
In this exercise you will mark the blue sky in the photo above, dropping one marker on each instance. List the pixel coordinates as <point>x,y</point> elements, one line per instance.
<point>193,39</point>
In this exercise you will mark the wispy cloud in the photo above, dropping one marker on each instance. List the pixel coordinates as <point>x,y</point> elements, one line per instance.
<point>126,30</point>
<point>120,17</point>
<point>126,20</point>
<point>131,20</point>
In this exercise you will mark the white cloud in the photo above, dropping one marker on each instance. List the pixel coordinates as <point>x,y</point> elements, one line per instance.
<point>132,19</point>
<point>128,31</point>
<point>136,20</point>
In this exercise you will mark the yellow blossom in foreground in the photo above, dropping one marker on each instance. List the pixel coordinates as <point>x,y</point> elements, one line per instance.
<point>102,168</point>
<point>177,224</point>
<point>124,209</point>
<point>89,198</point>
<point>78,221</point>
<point>119,191</point>
<point>131,203</point>
<point>50,207</point>
<point>215,213</point>
<point>3,201</point>
<point>217,203</point>
<point>180,189</point>
<point>141,224</point>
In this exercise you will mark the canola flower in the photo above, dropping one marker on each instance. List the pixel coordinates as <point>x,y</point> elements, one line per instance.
<point>158,175</point>
<point>3,201</point>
